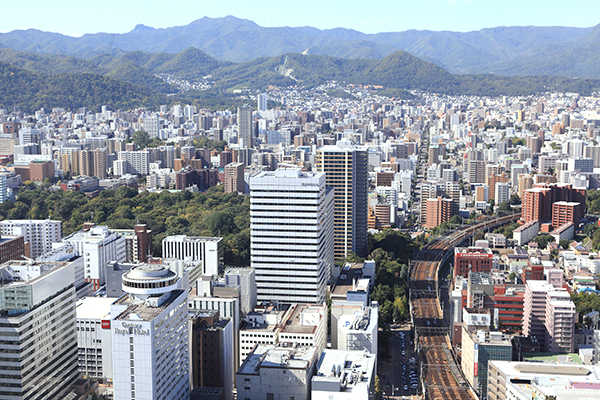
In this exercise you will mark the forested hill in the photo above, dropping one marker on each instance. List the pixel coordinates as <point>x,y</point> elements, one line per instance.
<point>507,50</point>
<point>131,80</point>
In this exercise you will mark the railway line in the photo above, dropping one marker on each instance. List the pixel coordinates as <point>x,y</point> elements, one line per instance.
<point>441,377</point>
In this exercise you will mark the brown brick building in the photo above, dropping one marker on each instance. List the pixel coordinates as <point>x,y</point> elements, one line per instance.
<point>439,210</point>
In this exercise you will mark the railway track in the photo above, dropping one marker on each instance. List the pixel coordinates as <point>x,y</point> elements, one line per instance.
<point>441,376</point>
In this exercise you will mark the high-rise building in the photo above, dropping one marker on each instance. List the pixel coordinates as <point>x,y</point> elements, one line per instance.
<point>39,337</point>
<point>501,193</point>
<point>212,351</point>
<point>151,125</point>
<point>94,337</point>
<point>39,233</point>
<point>138,243</point>
<point>291,235</point>
<point>244,121</point>
<point>234,178</point>
<point>439,210</point>
<point>150,336</point>
<point>549,316</point>
<point>98,246</point>
<point>345,166</point>
<point>207,250</point>
<point>262,102</point>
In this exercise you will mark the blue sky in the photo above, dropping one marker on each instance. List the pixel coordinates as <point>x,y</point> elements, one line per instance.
<point>76,18</point>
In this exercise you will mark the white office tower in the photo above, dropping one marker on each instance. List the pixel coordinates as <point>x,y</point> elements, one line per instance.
<point>244,122</point>
<point>502,192</point>
<point>40,233</point>
<point>37,330</point>
<point>206,250</point>
<point>151,126</point>
<point>291,235</point>
<point>150,336</point>
<point>98,246</point>
<point>262,102</point>
<point>246,280</point>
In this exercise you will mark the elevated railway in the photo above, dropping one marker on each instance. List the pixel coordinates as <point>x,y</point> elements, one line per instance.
<point>441,377</point>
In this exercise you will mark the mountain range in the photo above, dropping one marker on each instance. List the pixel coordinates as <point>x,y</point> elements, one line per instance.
<point>525,50</point>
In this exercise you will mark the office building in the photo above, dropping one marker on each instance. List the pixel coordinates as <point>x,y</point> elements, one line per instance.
<point>211,351</point>
<point>39,359</point>
<point>501,193</point>
<point>472,259</point>
<point>206,250</point>
<point>39,233</point>
<point>150,336</point>
<point>94,337</point>
<point>536,380</point>
<point>345,166</point>
<point>291,228</point>
<point>478,348</point>
<point>270,371</point>
<point>262,102</point>
<point>245,278</point>
<point>11,248</point>
<point>234,178</point>
<point>98,246</point>
<point>358,367</point>
<point>138,243</point>
<point>245,131</point>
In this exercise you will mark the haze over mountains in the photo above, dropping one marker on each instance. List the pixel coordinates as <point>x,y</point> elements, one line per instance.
<point>559,51</point>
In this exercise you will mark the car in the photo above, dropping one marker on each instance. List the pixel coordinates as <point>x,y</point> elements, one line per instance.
<point>405,387</point>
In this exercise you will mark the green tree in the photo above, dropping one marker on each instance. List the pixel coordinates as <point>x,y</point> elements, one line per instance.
<point>543,240</point>
<point>514,199</point>
<point>141,139</point>
<point>564,243</point>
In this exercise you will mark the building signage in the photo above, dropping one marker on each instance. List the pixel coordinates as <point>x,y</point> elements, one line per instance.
<point>106,324</point>
<point>131,329</point>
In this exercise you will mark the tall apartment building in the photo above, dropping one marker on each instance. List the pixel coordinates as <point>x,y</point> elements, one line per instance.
<point>11,248</point>
<point>439,210</point>
<point>234,178</point>
<point>133,162</point>
<point>492,180</point>
<point>564,212</point>
<point>244,122</point>
<point>150,336</point>
<point>549,316</point>
<point>345,166</point>
<point>38,330</point>
<point>93,163</point>
<point>39,233</point>
<point>207,250</point>
<point>98,246</point>
<point>538,201</point>
<point>291,235</point>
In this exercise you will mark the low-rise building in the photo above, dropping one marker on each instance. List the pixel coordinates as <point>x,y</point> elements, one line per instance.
<point>271,372</point>
<point>344,375</point>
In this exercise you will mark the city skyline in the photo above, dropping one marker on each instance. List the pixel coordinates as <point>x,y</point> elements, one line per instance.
<point>66,17</point>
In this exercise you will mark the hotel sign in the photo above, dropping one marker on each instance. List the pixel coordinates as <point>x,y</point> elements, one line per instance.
<point>131,329</point>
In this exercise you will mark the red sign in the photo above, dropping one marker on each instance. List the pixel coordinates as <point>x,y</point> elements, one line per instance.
<point>106,324</point>
<point>476,369</point>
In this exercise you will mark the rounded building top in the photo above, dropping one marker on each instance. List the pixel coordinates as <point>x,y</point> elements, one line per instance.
<point>149,279</point>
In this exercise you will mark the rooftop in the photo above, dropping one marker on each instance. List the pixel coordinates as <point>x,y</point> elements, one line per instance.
<point>343,370</point>
<point>94,307</point>
<point>137,310</point>
<point>276,356</point>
